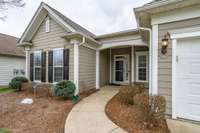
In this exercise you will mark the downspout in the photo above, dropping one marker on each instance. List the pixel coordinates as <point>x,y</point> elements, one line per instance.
<point>83,41</point>
<point>150,59</point>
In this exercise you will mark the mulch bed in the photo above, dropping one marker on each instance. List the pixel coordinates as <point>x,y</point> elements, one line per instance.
<point>129,117</point>
<point>45,115</point>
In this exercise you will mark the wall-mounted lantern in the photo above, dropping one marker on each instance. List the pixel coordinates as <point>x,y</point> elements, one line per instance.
<point>165,43</point>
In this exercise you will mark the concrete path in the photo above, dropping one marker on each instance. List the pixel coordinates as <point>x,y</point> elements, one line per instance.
<point>177,126</point>
<point>88,115</point>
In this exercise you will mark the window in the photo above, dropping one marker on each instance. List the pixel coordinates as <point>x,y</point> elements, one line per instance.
<point>58,65</point>
<point>141,66</point>
<point>47,24</point>
<point>37,65</point>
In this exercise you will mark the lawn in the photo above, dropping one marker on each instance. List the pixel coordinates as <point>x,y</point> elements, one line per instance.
<point>6,90</point>
<point>4,131</point>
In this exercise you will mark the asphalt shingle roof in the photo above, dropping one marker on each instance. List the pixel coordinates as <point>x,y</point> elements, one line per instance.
<point>74,25</point>
<point>8,46</point>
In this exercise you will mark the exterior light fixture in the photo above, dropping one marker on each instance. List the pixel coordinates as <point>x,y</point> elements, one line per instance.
<point>165,43</point>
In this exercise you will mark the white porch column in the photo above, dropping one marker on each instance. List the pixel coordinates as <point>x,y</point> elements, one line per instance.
<point>154,60</point>
<point>110,75</point>
<point>27,49</point>
<point>132,65</point>
<point>97,69</point>
<point>76,66</point>
<point>47,64</point>
<point>27,64</point>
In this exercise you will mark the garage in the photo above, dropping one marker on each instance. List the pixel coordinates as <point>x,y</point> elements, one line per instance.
<point>188,78</point>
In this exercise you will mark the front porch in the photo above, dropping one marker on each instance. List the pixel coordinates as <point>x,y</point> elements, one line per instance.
<point>124,65</point>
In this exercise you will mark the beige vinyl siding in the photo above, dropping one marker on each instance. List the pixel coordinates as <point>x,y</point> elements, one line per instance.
<point>8,64</point>
<point>104,67</point>
<point>87,68</point>
<point>53,39</point>
<point>165,61</point>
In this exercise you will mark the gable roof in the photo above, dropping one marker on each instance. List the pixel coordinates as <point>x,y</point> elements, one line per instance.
<point>74,25</point>
<point>8,46</point>
<point>44,10</point>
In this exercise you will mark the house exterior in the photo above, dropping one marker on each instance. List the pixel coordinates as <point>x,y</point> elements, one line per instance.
<point>12,59</point>
<point>162,53</point>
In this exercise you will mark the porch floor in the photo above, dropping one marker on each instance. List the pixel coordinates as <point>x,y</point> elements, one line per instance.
<point>88,116</point>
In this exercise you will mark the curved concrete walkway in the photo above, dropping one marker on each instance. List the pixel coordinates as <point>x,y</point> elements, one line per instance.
<point>88,115</point>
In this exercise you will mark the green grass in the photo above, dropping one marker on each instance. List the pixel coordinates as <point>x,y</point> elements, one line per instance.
<point>6,90</point>
<point>4,131</point>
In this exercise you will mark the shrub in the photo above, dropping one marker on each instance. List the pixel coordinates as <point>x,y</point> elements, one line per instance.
<point>127,93</point>
<point>65,89</point>
<point>153,108</point>
<point>16,82</point>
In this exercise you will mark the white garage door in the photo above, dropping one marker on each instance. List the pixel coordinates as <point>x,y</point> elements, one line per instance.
<point>188,79</point>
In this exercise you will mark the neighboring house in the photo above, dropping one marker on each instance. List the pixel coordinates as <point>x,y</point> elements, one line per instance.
<point>162,53</point>
<point>12,59</point>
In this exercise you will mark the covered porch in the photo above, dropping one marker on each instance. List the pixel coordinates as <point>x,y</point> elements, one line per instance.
<point>124,65</point>
<point>124,59</point>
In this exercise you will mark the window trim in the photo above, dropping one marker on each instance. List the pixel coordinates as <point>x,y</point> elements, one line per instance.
<point>55,49</point>
<point>47,25</point>
<point>143,53</point>
<point>38,51</point>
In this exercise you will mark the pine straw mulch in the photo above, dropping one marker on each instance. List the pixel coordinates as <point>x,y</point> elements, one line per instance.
<point>45,115</point>
<point>129,117</point>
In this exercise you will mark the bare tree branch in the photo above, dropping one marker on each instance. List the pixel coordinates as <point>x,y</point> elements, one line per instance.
<point>6,4</point>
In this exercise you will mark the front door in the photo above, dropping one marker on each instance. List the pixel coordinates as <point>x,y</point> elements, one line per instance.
<point>121,74</point>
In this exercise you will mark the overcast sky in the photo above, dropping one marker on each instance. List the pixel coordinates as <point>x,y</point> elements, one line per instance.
<point>98,16</point>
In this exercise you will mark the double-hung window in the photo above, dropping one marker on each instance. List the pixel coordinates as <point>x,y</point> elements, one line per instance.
<point>57,65</point>
<point>141,66</point>
<point>37,65</point>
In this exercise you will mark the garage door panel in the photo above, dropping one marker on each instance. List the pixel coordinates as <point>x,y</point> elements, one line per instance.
<point>188,79</point>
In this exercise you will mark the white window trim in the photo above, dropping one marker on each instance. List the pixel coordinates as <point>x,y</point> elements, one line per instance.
<point>137,72</point>
<point>38,51</point>
<point>175,36</point>
<point>47,25</point>
<point>55,49</point>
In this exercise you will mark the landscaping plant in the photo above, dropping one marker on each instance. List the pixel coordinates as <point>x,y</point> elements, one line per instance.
<point>153,108</point>
<point>16,82</point>
<point>127,93</point>
<point>65,89</point>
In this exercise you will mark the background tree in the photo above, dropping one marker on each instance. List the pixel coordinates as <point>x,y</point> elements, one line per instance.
<point>6,4</point>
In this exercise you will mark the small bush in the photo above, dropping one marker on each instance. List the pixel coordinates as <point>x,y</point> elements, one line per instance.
<point>65,89</point>
<point>16,83</point>
<point>127,93</point>
<point>153,108</point>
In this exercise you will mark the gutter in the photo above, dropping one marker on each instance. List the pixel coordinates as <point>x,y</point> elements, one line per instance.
<point>155,5</point>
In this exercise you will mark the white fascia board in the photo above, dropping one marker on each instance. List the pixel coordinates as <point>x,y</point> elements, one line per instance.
<point>117,44</point>
<point>155,5</point>
<point>30,24</point>
<point>176,15</point>
<point>39,20</point>
<point>58,19</point>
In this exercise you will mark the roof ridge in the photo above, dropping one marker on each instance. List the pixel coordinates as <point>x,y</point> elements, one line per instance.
<point>73,24</point>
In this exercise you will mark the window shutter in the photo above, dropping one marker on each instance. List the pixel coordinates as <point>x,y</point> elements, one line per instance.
<point>50,67</point>
<point>66,64</point>
<point>31,66</point>
<point>43,67</point>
